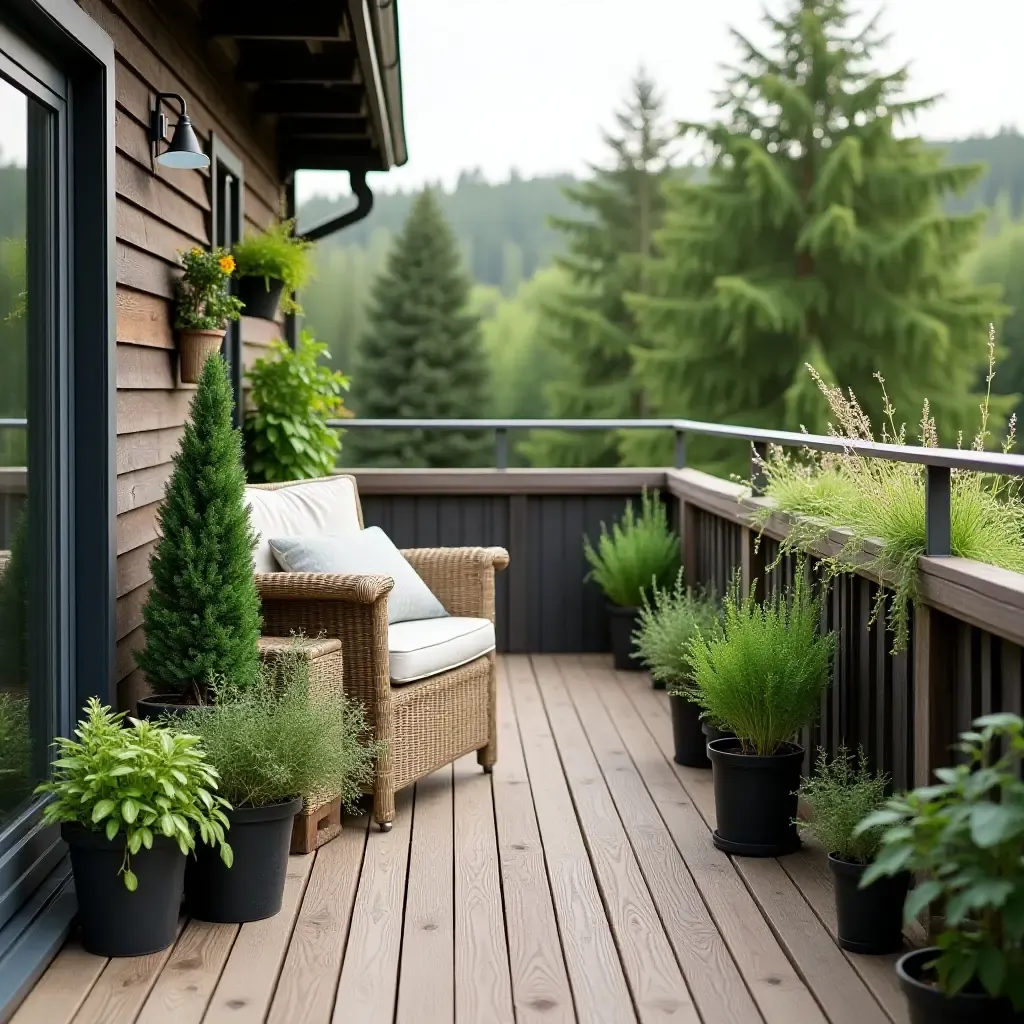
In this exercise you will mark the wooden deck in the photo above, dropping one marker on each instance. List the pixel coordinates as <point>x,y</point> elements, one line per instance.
<point>578,883</point>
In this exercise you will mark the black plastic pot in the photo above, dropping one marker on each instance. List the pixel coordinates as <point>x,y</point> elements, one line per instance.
<point>253,887</point>
<point>691,745</point>
<point>114,921</point>
<point>755,799</point>
<point>929,1006</point>
<point>260,296</point>
<point>868,920</point>
<point>621,624</point>
<point>149,709</point>
<point>712,732</point>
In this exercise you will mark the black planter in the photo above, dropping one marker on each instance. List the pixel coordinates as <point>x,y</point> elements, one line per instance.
<point>253,887</point>
<point>755,799</point>
<point>621,624</point>
<point>260,296</point>
<point>691,745</point>
<point>712,732</point>
<point>868,920</point>
<point>114,921</point>
<point>929,1006</point>
<point>151,708</point>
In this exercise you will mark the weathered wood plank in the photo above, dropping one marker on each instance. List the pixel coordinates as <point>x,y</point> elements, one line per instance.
<point>259,332</point>
<point>540,985</point>
<point>63,989</point>
<point>309,979</point>
<point>426,983</point>
<point>138,185</point>
<point>133,568</point>
<point>137,527</point>
<point>595,972</point>
<point>369,974</point>
<point>142,487</point>
<point>250,976</point>
<point>147,448</point>
<point>151,410</point>
<point>124,656</point>
<point>144,272</point>
<point>139,229</point>
<point>129,611</point>
<point>143,319</point>
<point>483,988</point>
<point>145,367</point>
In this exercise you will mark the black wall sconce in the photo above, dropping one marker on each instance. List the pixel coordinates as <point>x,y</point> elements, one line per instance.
<point>184,151</point>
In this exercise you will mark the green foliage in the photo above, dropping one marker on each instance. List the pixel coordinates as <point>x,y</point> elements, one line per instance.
<point>15,751</point>
<point>589,324</point>
<point>965,834</point>
<point>669,619</point>
<point>422,356</point>
<point>841,794</point>
<point>278,253</point>
<point>13,333</point>
<point>202,615</point>
<point>881,500</point>
<point>293,395</point>
<point>817,236</point>
<point>279,738</point>
<point>136,782</point>
<point>14,578</point>
<point>638,554</point>
<point>204,301</point>
<point>763,676</point>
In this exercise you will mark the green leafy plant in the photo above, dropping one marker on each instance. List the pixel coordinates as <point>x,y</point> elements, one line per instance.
<point>277,253</point>
<point>281,738</point>
<point>15,750</point>
<point>669,618</point>
<point>637,554</point>
<point>137,782</point>
<point>204,300</point>
<point>14,608</point>
<point>965,834</point>
<point>839,795</point>
<point>294,394</point>
<point>879,500</point>
<point>763,675</point>
<point>202,612</point>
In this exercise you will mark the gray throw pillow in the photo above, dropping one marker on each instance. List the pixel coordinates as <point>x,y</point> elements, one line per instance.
<point>368,552</point>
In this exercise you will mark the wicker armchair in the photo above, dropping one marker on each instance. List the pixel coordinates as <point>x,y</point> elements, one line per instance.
<point>425,724</point>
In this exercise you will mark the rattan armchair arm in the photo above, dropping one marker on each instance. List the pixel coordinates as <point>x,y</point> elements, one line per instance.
<point>462,579</point>
<point>322,586</point>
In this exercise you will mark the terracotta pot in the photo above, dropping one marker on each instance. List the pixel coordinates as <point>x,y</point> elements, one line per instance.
<point>194,348</point>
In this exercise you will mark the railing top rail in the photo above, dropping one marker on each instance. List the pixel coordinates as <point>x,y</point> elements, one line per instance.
<point>946,458</point>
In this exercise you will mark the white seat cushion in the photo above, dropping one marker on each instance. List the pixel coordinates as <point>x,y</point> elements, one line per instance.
<point>317,507</point>
<point>427,647</point>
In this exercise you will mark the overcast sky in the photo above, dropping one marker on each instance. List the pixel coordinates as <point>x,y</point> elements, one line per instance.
<point>528,84</point>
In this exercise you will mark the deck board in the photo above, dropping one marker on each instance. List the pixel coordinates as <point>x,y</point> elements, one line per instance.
<point>578,883</point>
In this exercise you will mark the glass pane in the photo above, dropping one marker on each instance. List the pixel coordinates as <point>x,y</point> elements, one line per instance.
<point>25,703</point>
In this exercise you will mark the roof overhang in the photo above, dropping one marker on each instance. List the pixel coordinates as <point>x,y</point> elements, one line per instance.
<point>328,74</point>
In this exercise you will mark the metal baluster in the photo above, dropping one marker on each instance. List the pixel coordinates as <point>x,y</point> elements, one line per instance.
<point>501,442</point>
<point>937,541</point>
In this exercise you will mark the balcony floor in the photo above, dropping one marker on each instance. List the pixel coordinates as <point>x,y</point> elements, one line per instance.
<point>578,883</point>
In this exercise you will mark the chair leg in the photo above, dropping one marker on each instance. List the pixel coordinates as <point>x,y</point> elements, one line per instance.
<point>487,756</point>
<point>384,807</point>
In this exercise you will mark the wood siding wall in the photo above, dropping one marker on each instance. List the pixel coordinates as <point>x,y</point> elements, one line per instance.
<point>160,211</point>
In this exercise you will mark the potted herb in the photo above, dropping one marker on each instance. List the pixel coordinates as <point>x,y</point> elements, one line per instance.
<point>838,796</point>
<point>130,802</point>
<point>637,554</point>
<point>762,677</point>
<point>269,263</point>
<point>204,307</point>
<point>273,743</point>
<point>293,395</point>
<point>964,834</point>
<point>667,622</point>
<point>202,613</point>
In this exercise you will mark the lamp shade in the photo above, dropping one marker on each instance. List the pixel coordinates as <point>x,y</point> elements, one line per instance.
<point>184,152</point>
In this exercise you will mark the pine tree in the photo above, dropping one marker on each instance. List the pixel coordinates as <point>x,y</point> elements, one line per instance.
<point>202,614</point>
<point>621,207</point>
<point>818,238</point>
<point>421,356</point>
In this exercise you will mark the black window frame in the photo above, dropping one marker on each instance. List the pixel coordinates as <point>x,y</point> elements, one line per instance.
<point>46,35</point>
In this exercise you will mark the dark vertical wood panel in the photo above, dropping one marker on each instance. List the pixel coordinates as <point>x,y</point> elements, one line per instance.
<point>518,573</point>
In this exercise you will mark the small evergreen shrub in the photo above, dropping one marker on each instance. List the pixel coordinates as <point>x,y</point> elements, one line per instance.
<point>204,301</point>
<point>15,751</point>
<point>278,738</point>
<point>638,553</point>
<point>669,618</point>
<point>965,833</point>
<point>293,394</point>
<point>139,782</point>
<point>202,615</point>
<point>279,253</point>
<point>763,675</point>
<point>14,609</point>
<point>840,795</point>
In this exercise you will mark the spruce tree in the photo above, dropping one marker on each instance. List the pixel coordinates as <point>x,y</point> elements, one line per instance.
<point>202,615</point>
<point>590,325</point>
<point>421,356</point>
<point>818,237</point>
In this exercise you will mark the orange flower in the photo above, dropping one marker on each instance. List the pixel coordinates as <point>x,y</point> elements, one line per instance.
<point>227,264</point>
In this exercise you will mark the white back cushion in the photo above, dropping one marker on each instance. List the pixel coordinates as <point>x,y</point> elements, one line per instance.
<point>317,507</point>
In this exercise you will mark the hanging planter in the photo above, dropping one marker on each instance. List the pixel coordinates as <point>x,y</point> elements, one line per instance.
<point>194,348</point>
<point>273,263</point>
<point>204,308</point>
<point>260,296</point>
